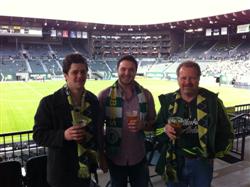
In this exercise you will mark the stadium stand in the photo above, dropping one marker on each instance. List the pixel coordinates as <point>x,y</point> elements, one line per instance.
<point>157,53</point>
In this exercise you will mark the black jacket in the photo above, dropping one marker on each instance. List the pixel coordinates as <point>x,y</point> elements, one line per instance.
<point>52,118</point>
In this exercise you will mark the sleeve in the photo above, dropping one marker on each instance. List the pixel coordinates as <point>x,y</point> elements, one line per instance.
<point>224,132</point>
<point>44,132</point>
<point>150,118</point>
<point>93,113</point>
<point>161,120</point>
<point>101,122</point>
<point>151,106</point>
<point>161,136</point>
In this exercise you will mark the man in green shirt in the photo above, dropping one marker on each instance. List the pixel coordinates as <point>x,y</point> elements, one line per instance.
<point>206,132</point>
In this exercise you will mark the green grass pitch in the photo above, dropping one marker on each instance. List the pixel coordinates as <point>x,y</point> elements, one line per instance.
<point>19,100</point>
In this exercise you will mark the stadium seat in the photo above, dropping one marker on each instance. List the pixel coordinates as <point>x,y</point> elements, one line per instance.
<point>36,171</point>
<point>10,174</point>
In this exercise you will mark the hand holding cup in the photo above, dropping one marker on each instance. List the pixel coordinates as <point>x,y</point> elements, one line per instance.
<point>176,123</point>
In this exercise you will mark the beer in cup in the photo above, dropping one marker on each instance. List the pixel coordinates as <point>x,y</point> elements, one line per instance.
<point>176,123</point>
<point>132,116</point>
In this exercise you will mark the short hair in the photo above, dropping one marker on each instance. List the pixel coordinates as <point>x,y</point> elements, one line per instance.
<point>189,64</point>
<point>73,58</point>
<point>129,58</point>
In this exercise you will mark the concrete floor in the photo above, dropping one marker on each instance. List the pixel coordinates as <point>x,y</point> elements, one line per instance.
<point>225,174</point>
<point>233,175</point>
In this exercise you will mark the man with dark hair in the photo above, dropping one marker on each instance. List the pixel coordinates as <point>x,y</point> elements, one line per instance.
<point>204,132</point>
<point>74,58</point>
<point>66,123</point>
<point>129,58</point>
<point>128,109</point>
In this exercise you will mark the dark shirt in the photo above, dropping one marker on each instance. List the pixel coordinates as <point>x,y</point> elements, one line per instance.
<point>189,137</point>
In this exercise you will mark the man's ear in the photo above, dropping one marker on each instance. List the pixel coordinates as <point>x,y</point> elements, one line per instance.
<point>65,76</point>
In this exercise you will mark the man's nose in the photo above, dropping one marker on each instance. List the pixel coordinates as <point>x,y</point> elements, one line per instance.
<point>189,79</point>
<point>79,74</point>
<point>127,72</point>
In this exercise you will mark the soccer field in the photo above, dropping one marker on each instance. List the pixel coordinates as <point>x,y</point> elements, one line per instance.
<point>19,100</point>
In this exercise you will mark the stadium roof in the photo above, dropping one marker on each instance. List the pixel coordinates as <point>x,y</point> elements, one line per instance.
<point>120,12</point>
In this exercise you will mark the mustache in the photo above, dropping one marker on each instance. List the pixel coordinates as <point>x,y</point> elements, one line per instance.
<point>188,85</point>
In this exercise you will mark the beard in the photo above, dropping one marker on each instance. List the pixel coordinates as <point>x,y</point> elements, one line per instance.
<point>126,81</point>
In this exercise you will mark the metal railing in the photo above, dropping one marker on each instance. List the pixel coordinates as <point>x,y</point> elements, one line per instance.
<point>19,146</point>
<point>240,109</point>
<point>240,127</point>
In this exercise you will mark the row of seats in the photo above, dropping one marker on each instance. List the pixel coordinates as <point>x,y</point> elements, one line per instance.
<point>11,173</point>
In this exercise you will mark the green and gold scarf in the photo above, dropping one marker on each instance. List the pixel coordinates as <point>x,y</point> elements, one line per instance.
<point>206,102</point>
<point>85,155</point>
<point>114,118</point>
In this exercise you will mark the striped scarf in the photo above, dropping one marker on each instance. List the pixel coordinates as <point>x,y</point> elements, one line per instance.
<point>114,118</point>
<point>79,117</point>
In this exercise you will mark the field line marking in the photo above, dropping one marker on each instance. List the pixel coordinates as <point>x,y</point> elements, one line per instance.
<point>31,88</point>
